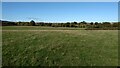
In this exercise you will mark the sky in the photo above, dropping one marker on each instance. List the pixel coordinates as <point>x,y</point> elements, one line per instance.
<point>60,0</point>
<point>60,11</point>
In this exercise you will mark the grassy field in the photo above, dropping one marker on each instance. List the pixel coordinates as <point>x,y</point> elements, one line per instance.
<point>50,46</point>
<point>0,46</point>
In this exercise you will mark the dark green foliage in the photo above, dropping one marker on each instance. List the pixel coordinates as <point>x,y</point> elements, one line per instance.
<point>32,23</point>
<point>83,24</point>
<point>115,24</point>
<point>0,23</point>
<point>8,23</point>
<point>96,23</point>
<point>103,26</point>
<point>72,24</point>
<point>91,23</point>
<point>68,24</point>
<point>106,24</point>
<point>23,24</point>
<point>49,24</point>
<point>75,22</point>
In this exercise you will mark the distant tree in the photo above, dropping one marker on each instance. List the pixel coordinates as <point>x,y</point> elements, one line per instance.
<point>18,23</point>
<point>72,24</point>
<point>68,24</point>
<point>83,22</point>
<point>100,25</point>
<point>115,24</point>
<point>26,23</point>
<point>54,25</point>
<point>8,23</point>
<point>61,24</point>
<point>32,23</point>
<point>49,24</point>
<point>91,23</point>
<point>41,23</point>
<point>96,23</point>
<point>75,22</point>
<point>106,24</point>
<point>0,23</point>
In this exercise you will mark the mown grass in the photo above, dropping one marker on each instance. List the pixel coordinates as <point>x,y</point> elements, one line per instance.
<point>59,48</point>
<point>39,28</point>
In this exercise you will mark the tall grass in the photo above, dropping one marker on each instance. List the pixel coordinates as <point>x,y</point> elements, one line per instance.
<point>59,48</point>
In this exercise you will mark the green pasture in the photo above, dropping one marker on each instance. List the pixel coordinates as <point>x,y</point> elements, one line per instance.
<point>55,46</point>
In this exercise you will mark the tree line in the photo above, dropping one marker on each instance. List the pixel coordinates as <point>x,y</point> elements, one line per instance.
<point>9,23</point>
<point>83,24</point>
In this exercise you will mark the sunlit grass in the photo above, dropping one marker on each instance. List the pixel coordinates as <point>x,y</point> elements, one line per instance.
<point>59,48</point>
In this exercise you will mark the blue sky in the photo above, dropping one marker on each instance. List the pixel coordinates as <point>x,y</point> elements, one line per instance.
<point>60,11</point>
<point>60,0</point>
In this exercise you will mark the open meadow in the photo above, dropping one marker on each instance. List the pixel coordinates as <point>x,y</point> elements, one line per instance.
<point>58,46</point>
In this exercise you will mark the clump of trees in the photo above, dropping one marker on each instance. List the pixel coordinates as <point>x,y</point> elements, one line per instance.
<point>31,23</point>
<point>0,23</point>
<point>9,23</point>
<point>83,24</point>
<point>103,26</point>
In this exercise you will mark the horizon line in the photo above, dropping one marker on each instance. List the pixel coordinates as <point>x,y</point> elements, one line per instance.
<point>60,21</point>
